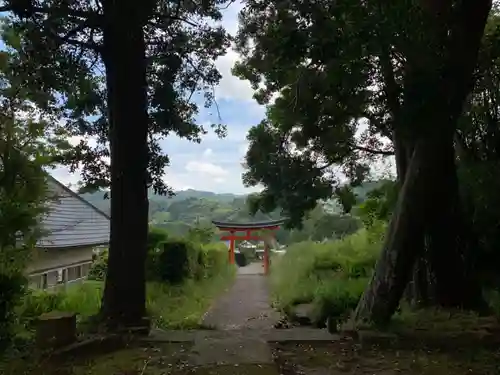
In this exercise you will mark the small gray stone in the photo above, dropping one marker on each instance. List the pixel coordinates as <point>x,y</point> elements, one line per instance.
<point>303,313</point>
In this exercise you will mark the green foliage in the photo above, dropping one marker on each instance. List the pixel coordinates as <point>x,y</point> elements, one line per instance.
<point>190,213</point>
<point>174,261</point>
<point>27,146</point>
<point>12,288</point>
<point>201,234</point>
<point>170,306</point>
<point>180,260</point>
<point>155,237</point>
<point>309,132</point>
<point>180,55</point>
<point>379,204</point>
<point>83,299</point>
<point>99,266</point>
<point>331,275</point>
<point>478,152</point>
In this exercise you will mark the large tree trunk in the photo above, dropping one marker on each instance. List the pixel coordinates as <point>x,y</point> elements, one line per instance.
<point>403,243</point>
<point>419,290</point>
<point>444,76</point>
<point>450,248</point>
<point>124,300</point>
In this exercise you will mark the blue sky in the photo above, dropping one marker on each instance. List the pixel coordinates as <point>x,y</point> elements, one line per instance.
<point>215,164</point>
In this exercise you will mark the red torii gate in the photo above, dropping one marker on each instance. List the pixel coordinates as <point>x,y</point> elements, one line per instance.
<point>248,228</point>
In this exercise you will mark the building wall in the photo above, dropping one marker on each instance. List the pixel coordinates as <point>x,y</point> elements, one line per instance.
<point>51,267</point>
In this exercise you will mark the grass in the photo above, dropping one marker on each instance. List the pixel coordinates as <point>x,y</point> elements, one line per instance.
<point>332,275</point>
<point>183,307</point>
<point>439,321</point>
<point>170,307</point>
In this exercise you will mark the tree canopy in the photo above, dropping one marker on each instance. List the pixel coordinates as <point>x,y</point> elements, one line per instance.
<point>63,43</point>
<point>352,82</point>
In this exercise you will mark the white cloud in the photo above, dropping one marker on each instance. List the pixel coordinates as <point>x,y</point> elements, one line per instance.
<point>64,176</point>
<point>207,153</point>
<point>208,169</point>
<point>231,87</point>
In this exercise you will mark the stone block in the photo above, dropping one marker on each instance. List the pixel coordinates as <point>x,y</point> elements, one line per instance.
<point>55,330</point>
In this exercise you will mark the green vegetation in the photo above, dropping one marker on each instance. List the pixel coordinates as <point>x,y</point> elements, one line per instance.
<point>26,148</point>
<point>174,303</point>
<point>331,275</point>
<point>345,84</point>
<point>192,209</point>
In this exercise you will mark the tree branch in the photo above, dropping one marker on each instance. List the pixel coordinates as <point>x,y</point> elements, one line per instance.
<point>374,152</point>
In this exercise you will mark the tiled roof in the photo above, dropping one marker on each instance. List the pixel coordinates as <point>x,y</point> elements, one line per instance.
<point>72,221</point>
<point>255,225</point>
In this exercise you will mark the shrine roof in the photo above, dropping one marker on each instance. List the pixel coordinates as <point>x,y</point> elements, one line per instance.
<point>249,225</point>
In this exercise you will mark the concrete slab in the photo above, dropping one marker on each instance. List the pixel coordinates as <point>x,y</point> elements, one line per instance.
<point>233,350</point>
<point>245,306</point>
<point>256,268</point>
<point>159,335</point>
<point>300,335</point>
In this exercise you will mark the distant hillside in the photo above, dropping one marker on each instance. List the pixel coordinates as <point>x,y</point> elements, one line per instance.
<point>191,207</point>
<point>184,204</point>
<point>97,198</point>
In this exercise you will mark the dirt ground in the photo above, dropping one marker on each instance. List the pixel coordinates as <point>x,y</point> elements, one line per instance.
<point>338,358</point>
<point>347,358</point>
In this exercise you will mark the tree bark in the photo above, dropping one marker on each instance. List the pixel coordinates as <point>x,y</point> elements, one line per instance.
<point>124,300</point>
<point>451,248</point>
<point>446,67</point>
<point>403,243</point>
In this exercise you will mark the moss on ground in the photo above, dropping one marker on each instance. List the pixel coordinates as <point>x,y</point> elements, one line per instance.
<point>158,359</point>
<point>137,360</point>
<point>346,358</point>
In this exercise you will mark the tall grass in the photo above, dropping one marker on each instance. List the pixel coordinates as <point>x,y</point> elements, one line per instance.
<point>331,275</point>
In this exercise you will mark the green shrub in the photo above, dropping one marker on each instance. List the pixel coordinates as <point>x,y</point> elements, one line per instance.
<point>156,236</point>
<point>215,258</point>
<point>83,299</point>
<point>174,261</point>
<point>99,266</point>
<point>330,275</point>
<point>12,287</point>
<point>40,302</point>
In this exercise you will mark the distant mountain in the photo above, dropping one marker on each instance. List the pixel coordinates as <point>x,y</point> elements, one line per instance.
<point>225,199</point>
<point>97,198</point>
<point>191,193</point>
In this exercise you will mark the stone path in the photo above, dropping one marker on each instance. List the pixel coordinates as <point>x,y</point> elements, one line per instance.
<point>246,305</point>
<point>245,311</point>
<point>242,323</point>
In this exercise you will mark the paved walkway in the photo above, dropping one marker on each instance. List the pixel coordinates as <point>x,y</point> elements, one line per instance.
<point>243,323</point>
<point>246,305</point>
<point>243,309</point>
